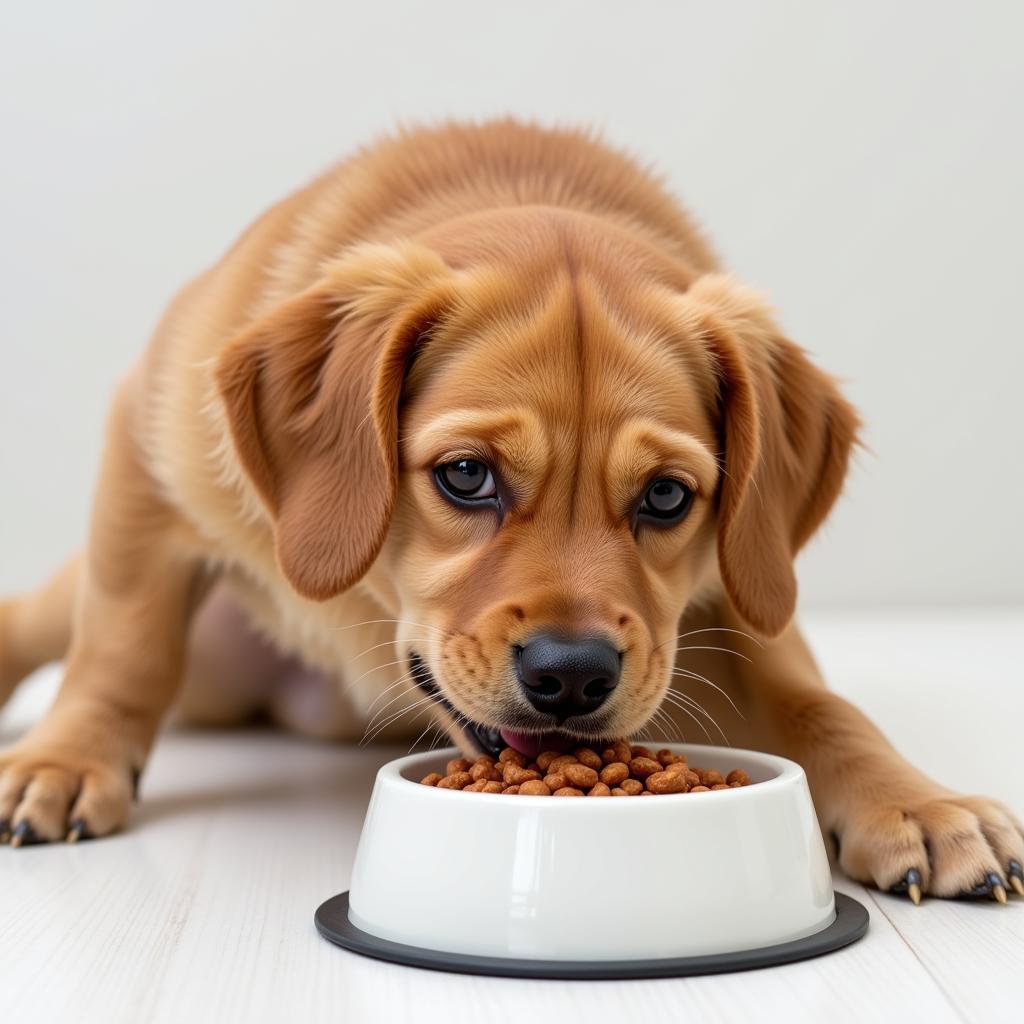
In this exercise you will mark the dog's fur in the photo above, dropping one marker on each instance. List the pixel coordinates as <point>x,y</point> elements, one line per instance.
<point>267,516</point>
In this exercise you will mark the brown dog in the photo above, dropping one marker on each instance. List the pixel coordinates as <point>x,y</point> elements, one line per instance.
<point>478,405</point>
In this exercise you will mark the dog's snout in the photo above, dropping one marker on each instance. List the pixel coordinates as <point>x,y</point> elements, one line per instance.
<point>565,677</point>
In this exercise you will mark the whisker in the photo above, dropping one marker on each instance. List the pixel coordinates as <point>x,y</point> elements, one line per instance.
<point>404,678</point>
<point>687,673</point>
<point>693,703</point>
<point>386,690</point>
<point>370,671</point>
<point>663,723</point>
<point>700,724</point>
<point>682,707</point>
<point>432,724</point>
<point>368,737</point>
<point>713,629</point>
<point>696,705</point>
<point>724,650</point>
<point>395,622</point>
<point>386,643</point>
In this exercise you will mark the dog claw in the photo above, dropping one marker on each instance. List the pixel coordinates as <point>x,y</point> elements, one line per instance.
<point>5,831</point>
<point>997,885</point>
<point>991,885</point>
<point>78,830</point>
<point>910,884</point>
<point>23,835</point>
<point>1016,876</point>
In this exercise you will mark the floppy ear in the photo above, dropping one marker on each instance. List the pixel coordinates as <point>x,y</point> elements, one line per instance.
<point>787,434</point>
<point>311,391</point>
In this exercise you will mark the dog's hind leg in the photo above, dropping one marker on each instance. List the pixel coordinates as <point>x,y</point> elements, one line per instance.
<point>231,667</point>
<point>35,628</point>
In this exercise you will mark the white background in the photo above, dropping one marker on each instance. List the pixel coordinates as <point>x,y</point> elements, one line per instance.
<point>861,163</point>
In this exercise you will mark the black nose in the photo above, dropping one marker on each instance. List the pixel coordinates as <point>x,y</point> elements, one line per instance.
<point>565,677</point>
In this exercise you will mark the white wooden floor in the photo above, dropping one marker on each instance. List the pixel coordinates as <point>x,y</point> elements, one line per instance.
<point>202,911</point>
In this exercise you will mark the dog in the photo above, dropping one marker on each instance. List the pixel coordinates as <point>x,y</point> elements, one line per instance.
<point>472,429</point>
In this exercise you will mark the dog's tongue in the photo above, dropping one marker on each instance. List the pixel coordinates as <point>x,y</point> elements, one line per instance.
<point>531,744</point>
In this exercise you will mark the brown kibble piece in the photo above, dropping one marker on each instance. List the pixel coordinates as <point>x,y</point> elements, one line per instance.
<point>692,778</point>
<point>456,780</point>
<point>475,787</point>
<point>568,791</point>
<point>459,764</point>
<point>641,767</point>
<point>591,758</point>
<point>719,785</point>
<point>665,757</point>
<point>534,787</point>
<point>614,773</point>
<point>544,760</point>
<point>619,792</point>
<point>618,751</point>
<point>633,787</point>
<point>641,752</point>
<point>561,761</point>
<point>738,775</point>
<point>599,789</point>
<point>666,782</point>
<point>432,779</point>
<point>700,789</point>
<point>484,772</point>
<point>516,776</point>
<point>712,778</point>
<point>492,787</point>
<point>679,767</point>
<point>646,793</point>
<point>555,780</point>
<point>510,791</point>
<point>580,775</point>
<point>510,754</point>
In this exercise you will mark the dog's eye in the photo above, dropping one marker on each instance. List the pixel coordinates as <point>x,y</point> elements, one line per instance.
<point>666,502</point>
<point>466,480</point>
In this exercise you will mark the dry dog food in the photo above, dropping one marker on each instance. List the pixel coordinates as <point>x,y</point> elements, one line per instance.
<point>617,770</point>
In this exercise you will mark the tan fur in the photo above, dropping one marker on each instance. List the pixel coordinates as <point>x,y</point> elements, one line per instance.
<point>523,296</point>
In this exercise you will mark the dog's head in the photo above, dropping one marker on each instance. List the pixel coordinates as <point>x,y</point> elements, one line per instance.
<point>536,465</point>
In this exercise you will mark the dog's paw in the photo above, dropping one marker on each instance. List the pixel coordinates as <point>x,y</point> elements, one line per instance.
<point>942,844</point>
<point>50,795</point>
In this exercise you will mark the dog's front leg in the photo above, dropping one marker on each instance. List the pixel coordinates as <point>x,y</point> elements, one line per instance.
<point>75,772</point>
<point>894,827</point>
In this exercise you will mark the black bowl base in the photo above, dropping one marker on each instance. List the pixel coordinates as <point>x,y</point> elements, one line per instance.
<point>332,923</point>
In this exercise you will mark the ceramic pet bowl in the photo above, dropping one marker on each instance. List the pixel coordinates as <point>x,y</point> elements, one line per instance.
<point>606,887</point>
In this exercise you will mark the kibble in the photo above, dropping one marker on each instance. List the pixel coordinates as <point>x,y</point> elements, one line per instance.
<point>611,774</point>
<point>456,780</point>
<point>580,776</point>
<point>516,776</point>
<point>617,770</point>
<point>534,787</point>
<point>641,766</point>
<point>591,758</point>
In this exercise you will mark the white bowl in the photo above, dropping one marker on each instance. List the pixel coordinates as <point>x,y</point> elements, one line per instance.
<point>615,878</point>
